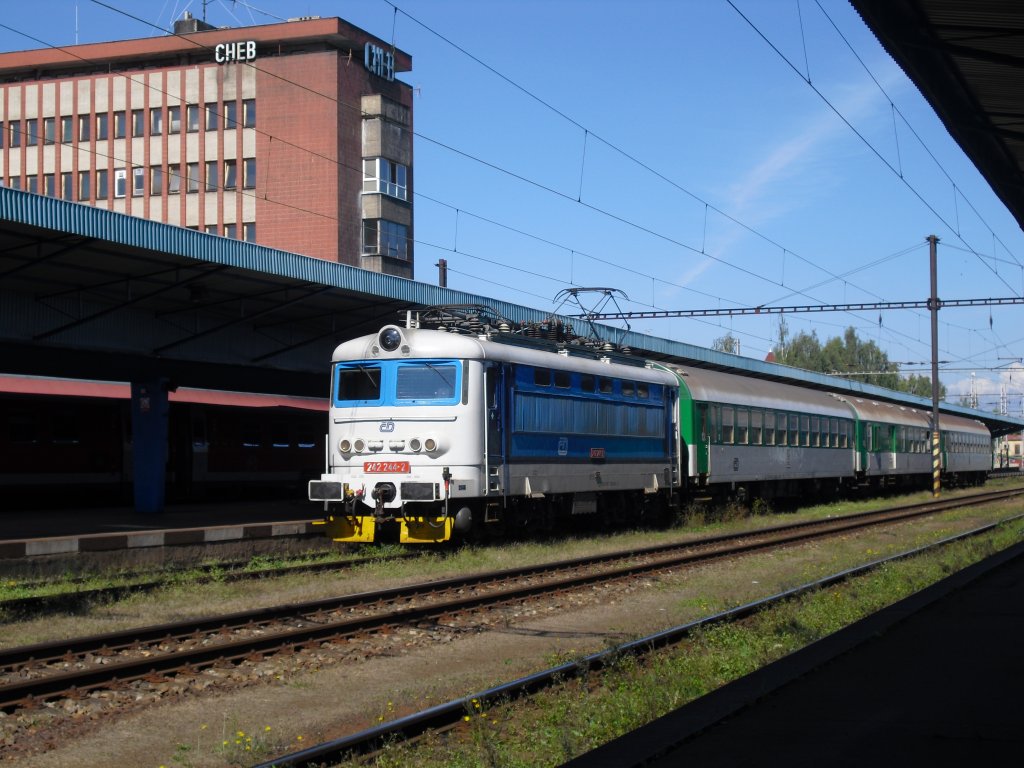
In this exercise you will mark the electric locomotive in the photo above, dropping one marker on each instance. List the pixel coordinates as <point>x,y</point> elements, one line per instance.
<point>434,435</point>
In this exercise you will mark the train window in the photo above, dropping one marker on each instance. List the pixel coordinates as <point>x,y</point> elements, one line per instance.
<point>251,436</point>
<point>756,420</point>
<point>587,383</point>
<point>742,420</point>
<point>824,432</point>
<point>562,379</point>
<point>804,431</point>
<point>604,386</point>
<point>542,377</point>
<point>727,425</point>
<point>794,429</point>
<point>769,428</point>
<point>360,382</point>
<point>815,431</point>
<point>426,381</point>
<point>643,391</point>
<point>781,430</point>
<point>65,429</point>
<point>23,430</point>
<point>834,431</point>
<point>716,419</point>
<point>628,389</point>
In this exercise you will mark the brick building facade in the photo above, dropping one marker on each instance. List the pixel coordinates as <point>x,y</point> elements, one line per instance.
<point>293,135</point>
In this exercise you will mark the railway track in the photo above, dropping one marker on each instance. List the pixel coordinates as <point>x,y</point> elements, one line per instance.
<point>31,674</point>
<point>80,598</point>
<point>364,745</point>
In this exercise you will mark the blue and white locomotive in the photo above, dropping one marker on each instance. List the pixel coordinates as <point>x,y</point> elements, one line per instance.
<point>436,434</point>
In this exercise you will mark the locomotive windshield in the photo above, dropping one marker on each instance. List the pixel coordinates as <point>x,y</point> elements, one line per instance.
<point>397,382</point>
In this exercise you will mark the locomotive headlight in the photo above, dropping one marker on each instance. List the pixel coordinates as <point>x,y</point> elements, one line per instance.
<point>345,445</point>
<point>415,445</point>
<point>390,338</point>
<point>430,444</point>
<point>359,445</point>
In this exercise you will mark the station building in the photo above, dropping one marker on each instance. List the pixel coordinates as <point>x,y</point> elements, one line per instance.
<point>294,135</point>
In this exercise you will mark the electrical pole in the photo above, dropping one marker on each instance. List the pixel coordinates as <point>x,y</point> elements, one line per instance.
<point>933,305</point>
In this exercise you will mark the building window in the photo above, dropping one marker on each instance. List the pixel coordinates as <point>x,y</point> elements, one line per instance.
<point>32,184</point>
<point>192,118</point>
<point>211,116</point>
<point>385,238</point>
<point>230,174</point>
<point>211,175</point>
<point>249,113</point>
<point>102,126</point>
<point>119,125</point>
<point>15,134</point>
<point>249,231</point>
<point>120,181</point>
<point>84,192</point>
<point>230,114</point>
<point>138,181</point>
<point>174,119</point>
<point>138,123</point>
<point>156,180</point>
<point>67,127</point>
<point>174,179</point>
<point>193,177</point>
<point>102,185</point>
<point>15,182</point>
<point>67,187</point>
<point>49,130</point>
<point>31,132</point>
<point>211,229</point>
<point>384,176</point>
<point>231,230</point>
<point>156,121</point>
<point>49,189</point>
<point>84,126</point>
<point>249,173</point>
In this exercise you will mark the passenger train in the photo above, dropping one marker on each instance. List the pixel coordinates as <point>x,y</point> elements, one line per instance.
<point>435,435</point>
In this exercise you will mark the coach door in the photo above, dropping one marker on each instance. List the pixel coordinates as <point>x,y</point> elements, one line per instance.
<point>497,471</point>
<point>702,445</point>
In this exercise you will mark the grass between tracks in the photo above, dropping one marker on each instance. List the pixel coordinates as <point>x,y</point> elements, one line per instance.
<point>579,715</point>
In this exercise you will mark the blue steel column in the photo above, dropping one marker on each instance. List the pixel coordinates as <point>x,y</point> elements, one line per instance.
<point>149,443</point>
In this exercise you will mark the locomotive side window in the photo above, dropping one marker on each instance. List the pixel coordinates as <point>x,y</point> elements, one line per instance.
<point>359,382</point>
<point>542,377</point>
<point>642,391</point>
<point>628,389</point>
<point>562,379</point>
<point>426,381</point>
<point>587,383</point>
<point>604,386</point>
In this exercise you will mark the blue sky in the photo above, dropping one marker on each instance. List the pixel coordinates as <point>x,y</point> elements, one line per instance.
<point>669,150</point>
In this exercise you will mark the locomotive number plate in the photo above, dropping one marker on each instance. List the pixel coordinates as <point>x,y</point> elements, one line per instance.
<point>389,467</point>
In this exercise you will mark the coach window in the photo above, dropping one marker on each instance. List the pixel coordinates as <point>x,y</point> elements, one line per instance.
<point>756,420</point>
<point>742,422</point>
<point>728,417</point>
<point>834,430</point>
<point>628,389</point>
<point>562,379</point>
<point>587,383</point>
<point>815,431</point>
<point>769,428</point>
<point>542,377</point>
<point>794,429</point>
<point>604,386</point>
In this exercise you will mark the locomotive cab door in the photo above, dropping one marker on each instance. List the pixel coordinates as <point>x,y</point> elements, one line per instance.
<point>497,470</point>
